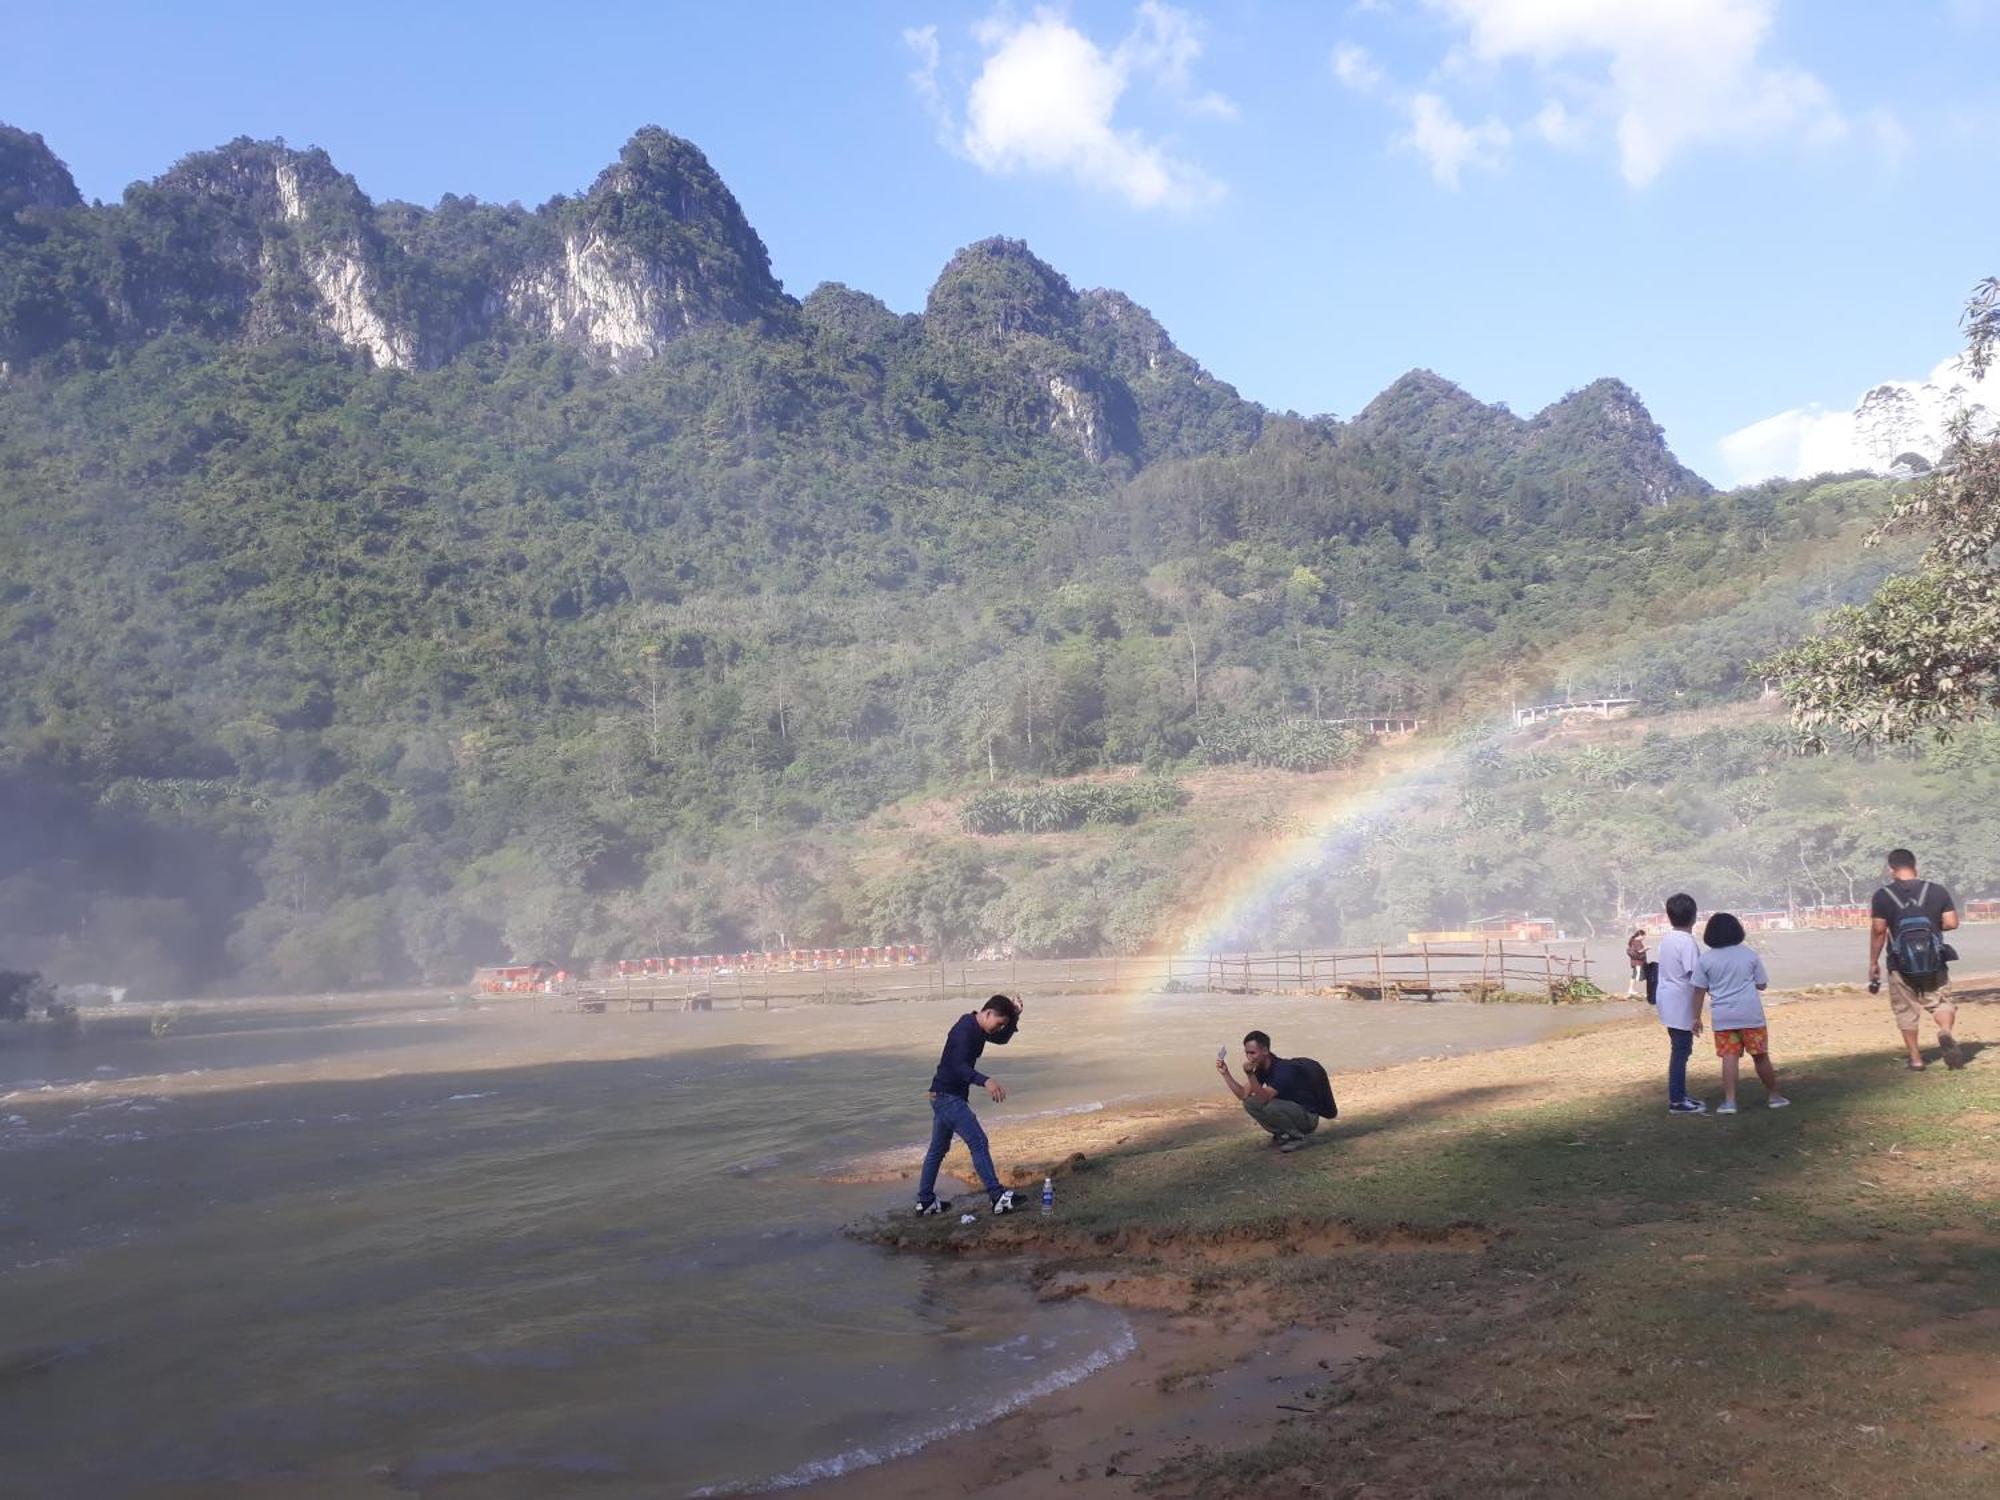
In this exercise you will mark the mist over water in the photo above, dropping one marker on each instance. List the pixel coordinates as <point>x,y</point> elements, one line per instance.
<point>488,1252</point>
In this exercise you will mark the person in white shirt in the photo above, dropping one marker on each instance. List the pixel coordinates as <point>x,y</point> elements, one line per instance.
<point>1679,956</point>
<point>1732,977</point>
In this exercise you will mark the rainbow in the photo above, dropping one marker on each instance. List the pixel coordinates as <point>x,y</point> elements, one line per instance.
<point>1242,911</point>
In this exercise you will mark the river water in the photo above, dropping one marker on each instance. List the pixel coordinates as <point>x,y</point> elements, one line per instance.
<point>404,1246</point>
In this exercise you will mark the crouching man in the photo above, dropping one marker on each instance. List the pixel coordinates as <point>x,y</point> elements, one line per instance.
<point>1287,1096</point>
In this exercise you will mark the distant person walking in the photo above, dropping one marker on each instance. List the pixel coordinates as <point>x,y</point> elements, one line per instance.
<point>1635,952</point>
<point>1731,977</point>
<point>1680,956</point>
<point>1288,1096</point>
<point>1909,918</point>
<point>957,1075</point>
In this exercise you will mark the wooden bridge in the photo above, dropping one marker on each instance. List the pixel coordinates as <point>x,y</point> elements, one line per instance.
<point>1478,970</point>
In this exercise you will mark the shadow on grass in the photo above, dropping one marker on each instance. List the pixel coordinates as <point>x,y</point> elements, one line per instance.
<point>1543,1171</point>
<point>1785,1276</point>
<point>1436,1107</point>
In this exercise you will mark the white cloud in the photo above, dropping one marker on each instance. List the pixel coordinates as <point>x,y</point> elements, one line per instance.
<point>1448,144</point>
<point>1560,126</point>
<point>1357,69</point>
<point>1805,440</point>
<point>1809,440</point>
<point>1891,136</point>
<point>1166,44</point>
<point>1046,100</point>
<point>1650,82</point>
<point>1665,76</point>
<point>923,41</point>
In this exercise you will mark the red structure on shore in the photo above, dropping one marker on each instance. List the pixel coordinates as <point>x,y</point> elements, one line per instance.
<point>781,961</point>
<point>1815,918</point>
<point>514,979</point>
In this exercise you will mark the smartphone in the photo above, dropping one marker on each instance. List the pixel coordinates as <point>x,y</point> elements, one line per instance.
<point>1222,1054</point>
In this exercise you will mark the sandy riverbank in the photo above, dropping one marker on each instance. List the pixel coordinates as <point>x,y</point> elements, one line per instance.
<point>1501,1271</point>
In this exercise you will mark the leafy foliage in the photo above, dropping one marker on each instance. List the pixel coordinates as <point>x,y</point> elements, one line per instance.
<point>1054,806</point>
<point>1924,652</point>
<point>317,673</point>
<point>1590,836</point>
<point>1287,744</point>
<point>22,994</point>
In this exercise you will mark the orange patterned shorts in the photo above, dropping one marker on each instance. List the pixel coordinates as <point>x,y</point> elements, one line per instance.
<point>1754,1040</point>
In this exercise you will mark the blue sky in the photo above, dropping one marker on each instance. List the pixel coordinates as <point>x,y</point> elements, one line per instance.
<point>1742,207</point>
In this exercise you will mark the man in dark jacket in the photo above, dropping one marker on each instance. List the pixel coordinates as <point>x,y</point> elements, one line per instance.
<point>951,1114</point>
<point>1287,1096</point>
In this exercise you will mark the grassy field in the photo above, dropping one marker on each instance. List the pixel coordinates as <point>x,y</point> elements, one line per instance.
<point>1573,1292</point>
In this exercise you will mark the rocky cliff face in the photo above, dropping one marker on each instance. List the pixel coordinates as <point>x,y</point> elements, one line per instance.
<point>1600,440</point>
<point>657,247</point>
<point>998,312</point>
<point>256,241</point>
<point>1605,429</point>
<point>261,241</point>
<point>1096,370</point>
<point>1183,410</point>
<point>31,177</point>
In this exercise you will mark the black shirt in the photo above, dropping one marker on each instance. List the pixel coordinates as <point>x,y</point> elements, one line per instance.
<point>1290,1081</point>
<point>1930,898</point>
<point>956,1071</point>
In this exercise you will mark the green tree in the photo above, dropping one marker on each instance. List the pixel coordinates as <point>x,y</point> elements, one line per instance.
<point>1924,652</point>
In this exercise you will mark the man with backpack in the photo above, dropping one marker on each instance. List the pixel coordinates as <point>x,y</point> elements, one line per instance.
<point>1910,917</point>
<point>1287,1096</point>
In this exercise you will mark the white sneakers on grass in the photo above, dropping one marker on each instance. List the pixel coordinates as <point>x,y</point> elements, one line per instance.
<point>1776,1101</point>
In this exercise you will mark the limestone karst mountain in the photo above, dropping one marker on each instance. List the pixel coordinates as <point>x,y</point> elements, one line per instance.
<point>386,588</point>
<point>256,242</point>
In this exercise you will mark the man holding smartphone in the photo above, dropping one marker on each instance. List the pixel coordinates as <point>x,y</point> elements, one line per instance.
<point>1287,1096</point>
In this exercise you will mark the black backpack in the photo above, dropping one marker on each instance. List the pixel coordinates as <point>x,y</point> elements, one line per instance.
<point>1915,949</point>
<point>1323,1104</point>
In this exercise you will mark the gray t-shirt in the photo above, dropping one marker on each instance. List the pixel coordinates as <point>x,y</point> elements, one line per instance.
<point>1732,976</point>
<point>1680,955</point>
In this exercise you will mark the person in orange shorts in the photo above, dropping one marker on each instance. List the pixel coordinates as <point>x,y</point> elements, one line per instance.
<point>1732,977</point>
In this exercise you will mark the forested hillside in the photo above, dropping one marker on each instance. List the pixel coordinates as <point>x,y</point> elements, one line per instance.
<point>387,589</point>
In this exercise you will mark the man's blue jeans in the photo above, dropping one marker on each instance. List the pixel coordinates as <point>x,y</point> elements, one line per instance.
<point>1682,1042</point>
<point>949,1117</point>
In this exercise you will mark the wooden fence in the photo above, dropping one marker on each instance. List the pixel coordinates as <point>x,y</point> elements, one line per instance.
<point>1430,971</point>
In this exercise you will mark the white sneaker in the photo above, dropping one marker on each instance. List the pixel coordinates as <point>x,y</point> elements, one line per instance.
<point>1778,1101</point>
<point>1726,1107</point>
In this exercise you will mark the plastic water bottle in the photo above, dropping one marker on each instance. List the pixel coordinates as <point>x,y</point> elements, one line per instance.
<point>1048,1195</point>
